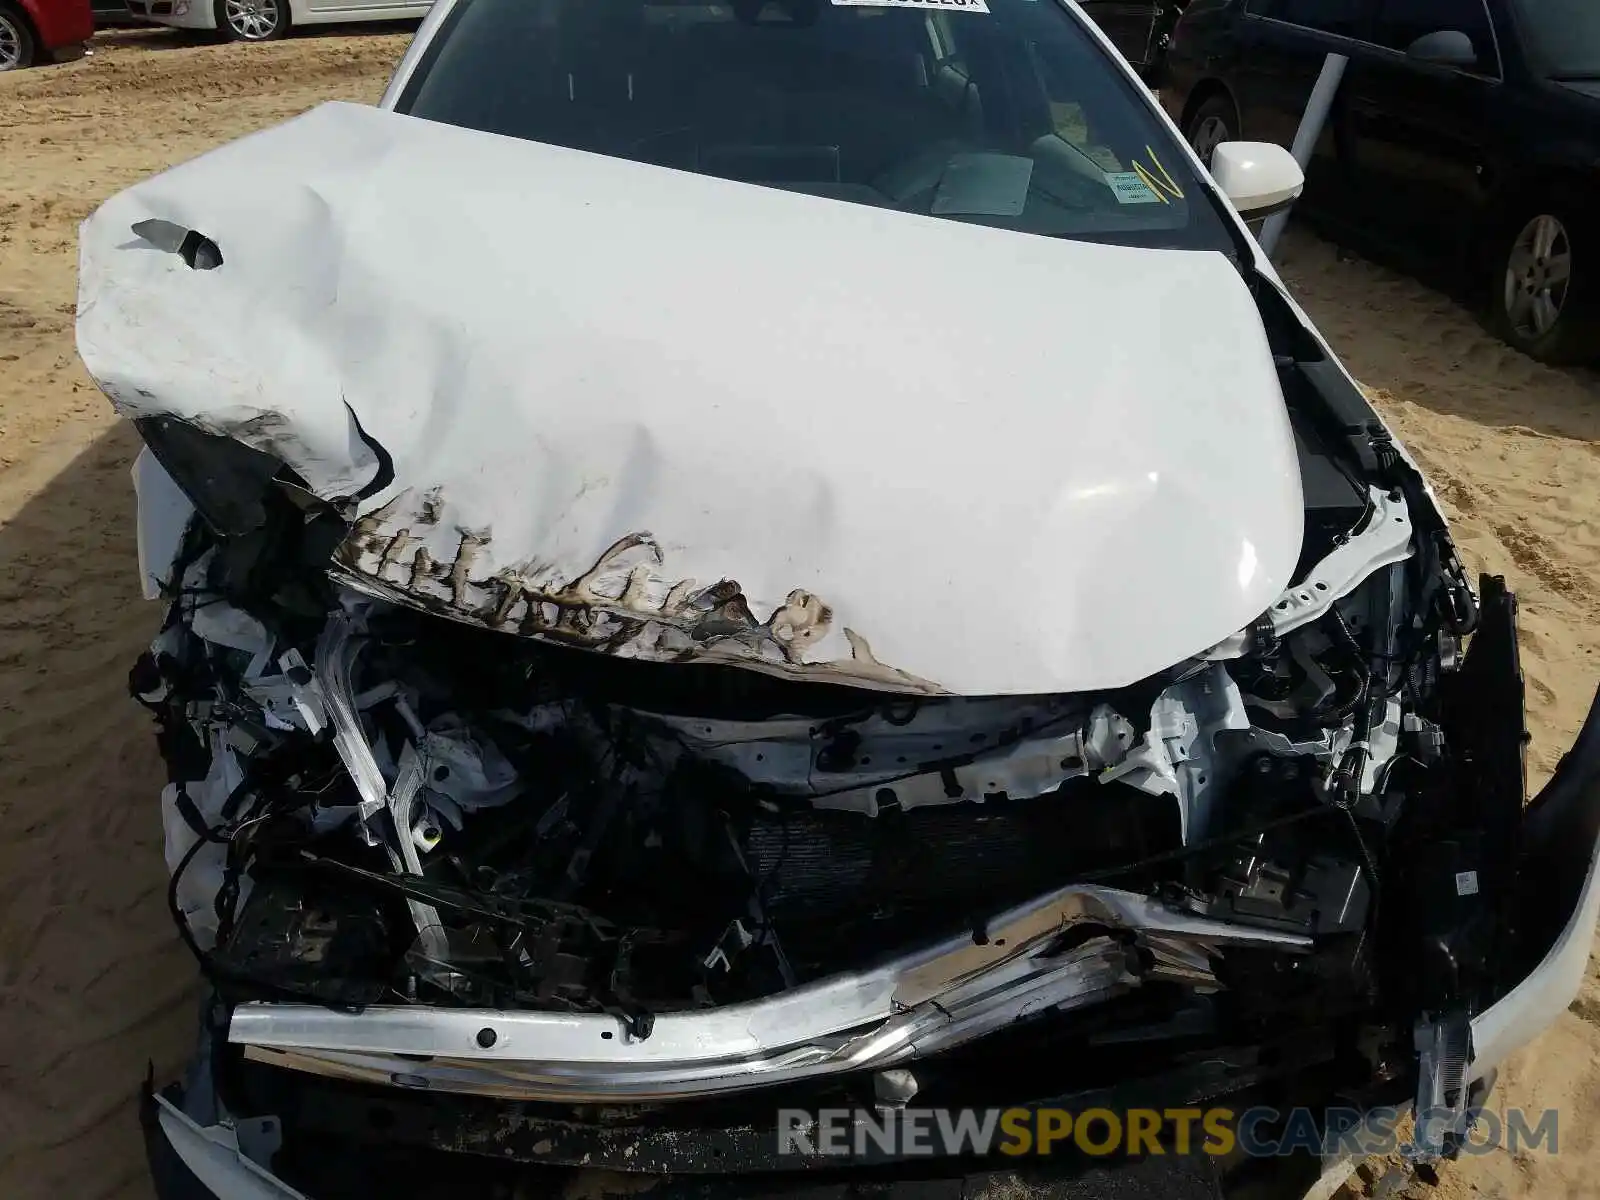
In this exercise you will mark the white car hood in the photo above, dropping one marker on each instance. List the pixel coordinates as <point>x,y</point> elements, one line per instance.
<point>672,417</point>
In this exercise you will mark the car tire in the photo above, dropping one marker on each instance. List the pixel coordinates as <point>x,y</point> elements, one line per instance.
<point>1544,294</point>
<point>252,20</point>
<point>1210,124</point>
<point>18,47</point>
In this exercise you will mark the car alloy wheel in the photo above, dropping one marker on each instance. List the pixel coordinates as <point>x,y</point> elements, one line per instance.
<point>1211,124</point>
<point>1538,277</point>
<point>254,20</point>
<point>16,44</point>
<point>1208,134</point>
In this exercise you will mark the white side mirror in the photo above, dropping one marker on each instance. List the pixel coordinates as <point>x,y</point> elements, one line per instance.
<point>1259,178</point>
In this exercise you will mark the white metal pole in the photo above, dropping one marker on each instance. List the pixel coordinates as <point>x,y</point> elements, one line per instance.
<point>1305,138</point>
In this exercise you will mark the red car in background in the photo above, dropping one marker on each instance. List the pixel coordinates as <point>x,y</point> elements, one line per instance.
<point>33,31</point>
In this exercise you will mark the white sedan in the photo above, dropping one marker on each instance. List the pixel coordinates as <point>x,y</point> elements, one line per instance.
<point>264,20</point>
<point>764,556</point>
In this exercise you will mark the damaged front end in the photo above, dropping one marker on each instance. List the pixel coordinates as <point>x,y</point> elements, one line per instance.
<point>1070,769</point>
<point>427,865</point>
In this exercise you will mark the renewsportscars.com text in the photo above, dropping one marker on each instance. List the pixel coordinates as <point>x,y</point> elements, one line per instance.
<point>1261,1132</point>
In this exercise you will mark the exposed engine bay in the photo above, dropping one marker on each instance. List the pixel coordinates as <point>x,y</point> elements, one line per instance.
<point>670,881</point>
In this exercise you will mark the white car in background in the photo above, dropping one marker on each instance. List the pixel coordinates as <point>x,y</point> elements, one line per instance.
<point>264,20</point>
<point>793,554</point>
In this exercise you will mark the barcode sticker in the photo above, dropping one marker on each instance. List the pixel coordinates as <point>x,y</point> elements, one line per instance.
<point>977,6</point>
<point>1466,883</point>
<point>1129,187</point>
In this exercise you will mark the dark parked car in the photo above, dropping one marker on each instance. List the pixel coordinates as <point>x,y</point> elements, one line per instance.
<point>1140,29</point>
<point>1465,137</point>
<point>113,14</point>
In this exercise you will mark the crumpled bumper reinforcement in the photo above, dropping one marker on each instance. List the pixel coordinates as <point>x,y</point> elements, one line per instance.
<point>932,1000</point>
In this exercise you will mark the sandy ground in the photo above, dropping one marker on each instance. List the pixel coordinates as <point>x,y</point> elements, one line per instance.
<point>92,981</point>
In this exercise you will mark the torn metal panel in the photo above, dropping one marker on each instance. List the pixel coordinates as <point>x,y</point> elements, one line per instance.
<point>164,513</point>
<point>946,462</point>
<point>619,606</point>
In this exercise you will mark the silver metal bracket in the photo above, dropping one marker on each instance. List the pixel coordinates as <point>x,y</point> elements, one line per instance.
<point>1443,1047</point>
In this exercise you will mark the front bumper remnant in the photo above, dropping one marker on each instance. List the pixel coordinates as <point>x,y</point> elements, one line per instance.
<point>935,999</point>
<point>192,1162</point>
<point>1557,900</point>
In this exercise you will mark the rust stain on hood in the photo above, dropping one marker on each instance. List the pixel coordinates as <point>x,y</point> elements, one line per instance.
<point>622,605</point>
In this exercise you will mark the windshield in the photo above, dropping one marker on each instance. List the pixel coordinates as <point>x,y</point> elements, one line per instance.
<point>1000,112</point>
<point>1564,35</point>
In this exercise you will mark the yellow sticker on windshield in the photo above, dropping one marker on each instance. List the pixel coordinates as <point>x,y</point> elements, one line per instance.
<point>1159,180</point>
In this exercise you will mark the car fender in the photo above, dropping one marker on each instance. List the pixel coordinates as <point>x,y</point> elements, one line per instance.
<point>59,23</point>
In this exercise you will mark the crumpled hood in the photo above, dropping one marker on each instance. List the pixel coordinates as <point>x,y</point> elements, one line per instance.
<point>672,417</point>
